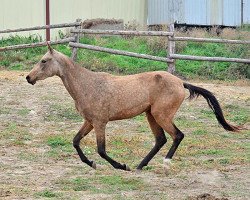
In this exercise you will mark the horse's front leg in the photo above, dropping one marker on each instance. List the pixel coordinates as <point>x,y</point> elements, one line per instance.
<point>100,139</point>
<point>86,128</point>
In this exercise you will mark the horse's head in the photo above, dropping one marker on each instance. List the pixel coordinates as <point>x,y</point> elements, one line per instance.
<point>48,66</point>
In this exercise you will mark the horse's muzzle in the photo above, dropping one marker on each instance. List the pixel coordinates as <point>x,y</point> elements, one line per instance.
<point>29,80</point>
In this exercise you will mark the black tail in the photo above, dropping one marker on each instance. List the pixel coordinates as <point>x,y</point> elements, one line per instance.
<point>213,104</point>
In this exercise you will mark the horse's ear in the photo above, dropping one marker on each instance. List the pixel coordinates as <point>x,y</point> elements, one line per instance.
<point>49,47</point>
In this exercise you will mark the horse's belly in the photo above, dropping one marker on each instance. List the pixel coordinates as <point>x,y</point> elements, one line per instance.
<point>128,110</point>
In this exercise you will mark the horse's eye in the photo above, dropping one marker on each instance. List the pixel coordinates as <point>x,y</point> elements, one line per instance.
<point>43,61</point>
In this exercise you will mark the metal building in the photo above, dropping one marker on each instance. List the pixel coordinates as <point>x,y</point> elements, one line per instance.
<point>199,12</point>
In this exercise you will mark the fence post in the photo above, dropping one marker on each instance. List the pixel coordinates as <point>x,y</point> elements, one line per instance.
<point>77,38</point>
<point>171,50</point>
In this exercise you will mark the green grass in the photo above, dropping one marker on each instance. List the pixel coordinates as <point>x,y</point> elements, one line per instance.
<point>47,194</point>
<point>61,147</point>
<point>108,184</point>
<point>99,61</point>
<point>237,114</point>
<point>16,134</point>
<point>23,112</point>
<point>62,112</point>
<point>5,111</point>
<point>57,141</point>
<point>199,132</point>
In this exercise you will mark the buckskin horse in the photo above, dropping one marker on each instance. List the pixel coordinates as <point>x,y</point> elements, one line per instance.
<point>101,97</point>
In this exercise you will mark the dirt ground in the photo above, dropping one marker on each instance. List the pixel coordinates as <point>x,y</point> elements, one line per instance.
<point>30,169</point>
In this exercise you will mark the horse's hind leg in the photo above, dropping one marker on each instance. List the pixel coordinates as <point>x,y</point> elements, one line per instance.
<point>86,128</point>
<point>176,135</point>
<point>101,147</point>
<point>160,140</point>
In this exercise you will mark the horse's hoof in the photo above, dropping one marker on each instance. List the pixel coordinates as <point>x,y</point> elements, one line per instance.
<point>93,165</point>
<point>126,167</point>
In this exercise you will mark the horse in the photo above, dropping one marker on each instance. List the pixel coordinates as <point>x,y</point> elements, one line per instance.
<point>102,97</point>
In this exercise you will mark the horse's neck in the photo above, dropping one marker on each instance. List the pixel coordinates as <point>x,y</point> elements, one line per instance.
<point>74,78</point>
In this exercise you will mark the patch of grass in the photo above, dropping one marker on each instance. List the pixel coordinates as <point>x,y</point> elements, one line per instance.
<point>23,112</point>
<point>207,113</point>
<point>55,141</point>
<point>78,184</point>
<point>62,112</point>
<point>16,66</point>
<point>140,118</point>
<point>143,128</point>
<point>238,114</point>
<point>148,168</point>
<point>61,148</point>
<point>224,161</point>
<point>15,134</point>
<point>81,184</point>
<point>240,118</point>
<point>116,183</point>
<point>5,111</point>
<point>211,152</point>
<point>199,132</point>
<point>29,156</point>
<point>102,184</point>
<point>47,194</point>
<point>183,122</point>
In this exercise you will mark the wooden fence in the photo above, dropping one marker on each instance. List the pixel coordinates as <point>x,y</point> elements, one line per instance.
<point>76,25</point>
<point>170,37</point>
<point>171,55</point>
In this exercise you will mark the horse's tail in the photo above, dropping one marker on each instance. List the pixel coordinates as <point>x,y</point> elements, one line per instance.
<point>213,104</point>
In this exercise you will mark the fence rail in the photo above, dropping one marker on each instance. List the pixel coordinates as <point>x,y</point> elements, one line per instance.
<point>37,44</point>
<point>212,59</point>
<point>115,32</point>
<point>210,40</point>
<point>40,44</point>
<point>119,52</point>
<point>65,25</point>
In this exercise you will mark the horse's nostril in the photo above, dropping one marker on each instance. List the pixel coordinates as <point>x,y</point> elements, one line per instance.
<point>27,78</point>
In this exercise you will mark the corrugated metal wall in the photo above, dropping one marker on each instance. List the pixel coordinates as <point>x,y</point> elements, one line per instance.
<point>246,12</point>
<point>194,12</point>
<point>27,13</point>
